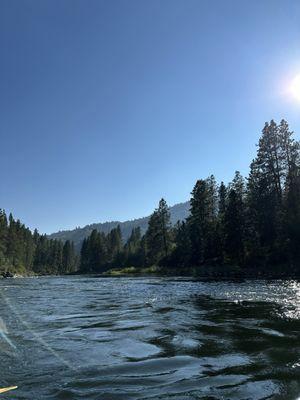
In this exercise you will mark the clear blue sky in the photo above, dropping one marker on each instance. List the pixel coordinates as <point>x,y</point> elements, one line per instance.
<point>106,106</point>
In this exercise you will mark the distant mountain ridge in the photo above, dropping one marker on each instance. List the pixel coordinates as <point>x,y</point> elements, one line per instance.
<point>178,213</point>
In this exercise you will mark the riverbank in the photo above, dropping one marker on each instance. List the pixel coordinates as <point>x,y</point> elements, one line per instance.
<point>17,275</point>
<point>204,273</point>
<point>207,272</point>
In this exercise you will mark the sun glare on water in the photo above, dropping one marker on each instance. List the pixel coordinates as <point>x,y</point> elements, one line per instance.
<point>295,88</point>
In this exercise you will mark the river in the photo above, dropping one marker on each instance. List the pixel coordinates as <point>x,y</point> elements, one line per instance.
<point>149,338</point>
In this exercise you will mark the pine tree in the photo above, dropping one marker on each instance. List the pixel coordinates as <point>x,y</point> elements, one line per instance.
<point>115,246</point>
<point>181,255</point>
<point>67,258</point>
<point>3,239</point>
<point>266,185</point>
<point>234,229</point>
<point>84,257</point>
<point>222,200</point>
<point>158,239</point>
<point>132,249</point>
<point>203,221</point>
<point>292,217</point>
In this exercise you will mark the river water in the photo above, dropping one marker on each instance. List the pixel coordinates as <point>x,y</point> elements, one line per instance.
<point>149,338</point>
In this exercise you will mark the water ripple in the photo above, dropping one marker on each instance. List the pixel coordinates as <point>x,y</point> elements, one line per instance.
<point>150,338</point>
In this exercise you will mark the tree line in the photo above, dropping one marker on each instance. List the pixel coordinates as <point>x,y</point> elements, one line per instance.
<point>22,251</point>
<point>250,226</point>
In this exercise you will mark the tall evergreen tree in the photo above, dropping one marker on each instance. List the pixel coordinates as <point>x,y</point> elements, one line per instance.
<point>222,201</point>
<point>234,229</point>
<point>202,221</point>
<point>68,257</point>
<point>115,246</point>
<point>158,239</point>
<point>133,250</point>
<point>181,255</point>
<point>292,217</point>
<point>3,237</point>
<point>266,185</point>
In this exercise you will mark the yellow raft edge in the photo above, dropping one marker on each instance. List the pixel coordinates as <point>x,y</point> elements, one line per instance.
<point>7,389</point>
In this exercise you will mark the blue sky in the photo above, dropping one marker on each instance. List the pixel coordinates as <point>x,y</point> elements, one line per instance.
<point>106,106</point>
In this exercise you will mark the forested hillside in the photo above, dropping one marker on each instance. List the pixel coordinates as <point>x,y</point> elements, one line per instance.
<point>24,252</point>
<point>177,213</point>
<point>249,227</point>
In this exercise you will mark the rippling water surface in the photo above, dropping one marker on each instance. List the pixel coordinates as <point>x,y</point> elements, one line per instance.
<point>149,338</point>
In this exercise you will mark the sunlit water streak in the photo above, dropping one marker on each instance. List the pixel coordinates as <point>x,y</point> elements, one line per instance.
<point>150,338</point>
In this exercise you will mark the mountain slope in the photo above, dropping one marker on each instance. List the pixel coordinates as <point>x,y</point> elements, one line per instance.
<point>178,212</point>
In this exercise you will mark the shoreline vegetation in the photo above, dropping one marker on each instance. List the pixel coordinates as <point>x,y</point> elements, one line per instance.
<point>206,273</point>
<point>249,228</point>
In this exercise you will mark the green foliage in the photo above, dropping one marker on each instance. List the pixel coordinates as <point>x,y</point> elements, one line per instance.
<point>100,252</point>
<point>202,223</point>
<point>22,251</point>
<point>247,227</point>
<point>234,229</point>
<point>292,216</point>
<point>177,212</point>
<point>250,228</point>
<point>158,237</point>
